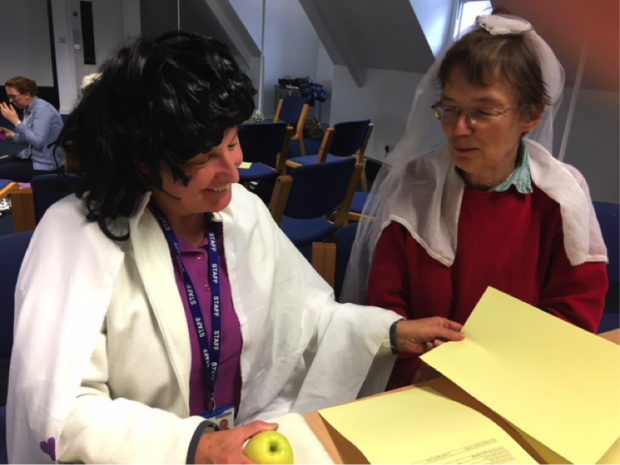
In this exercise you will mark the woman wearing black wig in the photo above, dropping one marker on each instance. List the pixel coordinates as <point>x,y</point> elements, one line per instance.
<point>128,368</point>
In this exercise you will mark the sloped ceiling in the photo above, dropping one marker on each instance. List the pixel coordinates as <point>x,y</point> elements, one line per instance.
<point>364,34</point>
<point>565,23</point>
<point>218,19</point>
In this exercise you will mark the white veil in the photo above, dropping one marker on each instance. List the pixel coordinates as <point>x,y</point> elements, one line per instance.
<point>423,136</point>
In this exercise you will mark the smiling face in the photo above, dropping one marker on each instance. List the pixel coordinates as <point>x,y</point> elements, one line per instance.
<point>21,100</point>
<point>486,152</point>
<point>210,176</point>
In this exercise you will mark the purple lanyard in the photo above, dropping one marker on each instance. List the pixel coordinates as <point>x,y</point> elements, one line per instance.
<point>210,352</point>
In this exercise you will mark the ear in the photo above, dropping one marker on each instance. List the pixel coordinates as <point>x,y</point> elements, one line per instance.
<point>532,118</point>
<point>145,169</point>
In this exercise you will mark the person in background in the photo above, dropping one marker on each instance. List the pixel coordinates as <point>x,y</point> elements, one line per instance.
<point>39,128</point>
<point>170,297</point>
<point>488,205</point>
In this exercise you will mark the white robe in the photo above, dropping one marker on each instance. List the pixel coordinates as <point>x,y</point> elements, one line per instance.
<point>101,361</point>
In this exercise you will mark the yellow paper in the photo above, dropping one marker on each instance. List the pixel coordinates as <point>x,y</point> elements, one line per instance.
<point>246,165</point>
<point>552,380</point>
<point>422,426</point>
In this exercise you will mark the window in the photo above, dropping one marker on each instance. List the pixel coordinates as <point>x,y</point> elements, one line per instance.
<point>467,12</point>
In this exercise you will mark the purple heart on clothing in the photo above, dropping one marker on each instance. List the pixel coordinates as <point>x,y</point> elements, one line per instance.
<point>49,448</point>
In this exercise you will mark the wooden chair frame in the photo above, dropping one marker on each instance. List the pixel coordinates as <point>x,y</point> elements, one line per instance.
<point>279,198</point>
<point>360,156</point>
<point>323,151</point>
<point>301,123</point>
<point>6,190</point>
<point>22,206</point>
<point>283,155</point>
<point>324,261</point>
<point>282,191</point>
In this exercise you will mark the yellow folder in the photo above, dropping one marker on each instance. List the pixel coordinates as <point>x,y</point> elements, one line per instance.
<point>422,426</point>
<point>557,383</point>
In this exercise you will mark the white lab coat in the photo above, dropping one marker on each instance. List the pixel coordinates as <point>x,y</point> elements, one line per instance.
<point>101,362</point>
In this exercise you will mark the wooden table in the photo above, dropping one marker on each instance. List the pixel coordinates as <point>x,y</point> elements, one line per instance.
<point>342,451</point>
<point>23,208</point>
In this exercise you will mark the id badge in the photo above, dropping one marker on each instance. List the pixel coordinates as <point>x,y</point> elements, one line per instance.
<point>223,418</point>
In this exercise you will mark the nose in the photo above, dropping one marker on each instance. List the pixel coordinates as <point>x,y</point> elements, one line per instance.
<point>463,124</point>
<point>229,165</point>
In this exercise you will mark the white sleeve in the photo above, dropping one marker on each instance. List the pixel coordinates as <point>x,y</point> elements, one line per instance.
<point>100,429</point>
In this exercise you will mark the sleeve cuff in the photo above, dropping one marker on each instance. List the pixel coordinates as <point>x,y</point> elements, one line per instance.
<point>388,345</point>
<point>193,444</point>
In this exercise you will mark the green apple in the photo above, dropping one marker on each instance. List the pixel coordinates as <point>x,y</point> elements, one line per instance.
<point>269,447</point>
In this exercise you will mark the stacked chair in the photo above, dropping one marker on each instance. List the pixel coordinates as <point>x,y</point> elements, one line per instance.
<point>293,111</point>
<point>345,139</point>
<point>303,200</point>
<point>265,146</point>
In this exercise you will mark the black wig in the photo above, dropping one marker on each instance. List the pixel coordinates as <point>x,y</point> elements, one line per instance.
<point>158,104</point>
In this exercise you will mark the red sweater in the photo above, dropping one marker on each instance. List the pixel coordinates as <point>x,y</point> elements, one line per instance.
<point>507,240</point>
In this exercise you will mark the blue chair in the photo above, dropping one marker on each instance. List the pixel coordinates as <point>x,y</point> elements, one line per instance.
<point>293,111</point>
<point>48,189</point>
<point>6,186</point>
<point>12,250</point>
<point>609,322</point>
<point>347,138</point>
<point>357,205</point>
<point>303,199</point>
<point>608,215</point>
<point>265,145</point>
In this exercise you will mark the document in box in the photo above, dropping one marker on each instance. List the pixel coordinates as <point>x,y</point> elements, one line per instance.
<point>558,384</point>
<point>422,426</point>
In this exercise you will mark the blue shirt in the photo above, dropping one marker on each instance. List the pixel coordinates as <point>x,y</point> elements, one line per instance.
<point>41,126</point>
<point>521,177</point>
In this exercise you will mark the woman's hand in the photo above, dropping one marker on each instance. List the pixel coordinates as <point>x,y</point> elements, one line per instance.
<point>7,132</point>
<point>227,446</point>
<point>419,336</point>
<point>9,112</point>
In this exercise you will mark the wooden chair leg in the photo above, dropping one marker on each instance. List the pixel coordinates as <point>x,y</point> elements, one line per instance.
<point>302,146</point>
<point>364,181</point>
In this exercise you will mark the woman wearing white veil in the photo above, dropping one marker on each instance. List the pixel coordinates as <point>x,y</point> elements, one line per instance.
<point>488,207</point>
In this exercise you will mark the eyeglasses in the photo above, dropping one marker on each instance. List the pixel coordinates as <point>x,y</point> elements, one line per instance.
<point>12,96</point>
<point>451,115</point>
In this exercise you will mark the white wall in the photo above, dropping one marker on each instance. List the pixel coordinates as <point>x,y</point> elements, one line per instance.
<point>251,14</point>
<point>436,20</point>
<point>593,146</point>
<point>108,31</point>
<point>114,21</point>
<point>386,99</point>
<point>324,75</point>
<point>65,55</point>
<point>131,18</point>
<point>291,43</point>
<point>25,41</point>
